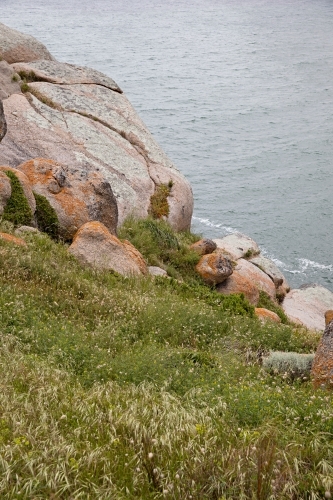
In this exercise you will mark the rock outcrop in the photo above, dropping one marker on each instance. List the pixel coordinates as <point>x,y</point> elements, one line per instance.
<point>77,196</point>
<point>94,245</point>
<point>214,268</point>
<point>16,46</point>
<point>249,280</point>
<point>322,367</point>
<point>237,246</point>
<point>12,239</point>
<point>80,118</point>
<point>307,305</point>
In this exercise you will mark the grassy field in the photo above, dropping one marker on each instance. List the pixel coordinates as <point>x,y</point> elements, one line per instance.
<point>150,388</point>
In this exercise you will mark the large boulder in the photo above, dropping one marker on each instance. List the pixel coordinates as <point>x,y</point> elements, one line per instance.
<point>322,367</point>
<point>307,305</point>
<point>214,268</point>
<point>271,269</point>
<point>16,46</point>
<point>237,245</point>
<point>77,196</point>
<point>79,117</point>
<point>94,245</point>
<point>249,280</point>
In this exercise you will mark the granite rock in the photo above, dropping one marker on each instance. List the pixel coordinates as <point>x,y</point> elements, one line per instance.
<point>214,268</point>
<point>307,305</point>
<point>16,46</point>
<point>237,245</point>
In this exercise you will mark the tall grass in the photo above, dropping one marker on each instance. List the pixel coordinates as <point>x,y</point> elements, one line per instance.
<point>119,388</point>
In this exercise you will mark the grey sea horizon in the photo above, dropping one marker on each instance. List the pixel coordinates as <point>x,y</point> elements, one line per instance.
<point>240,96</point>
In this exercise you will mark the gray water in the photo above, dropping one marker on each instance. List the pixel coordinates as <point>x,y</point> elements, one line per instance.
<point>238,93</point>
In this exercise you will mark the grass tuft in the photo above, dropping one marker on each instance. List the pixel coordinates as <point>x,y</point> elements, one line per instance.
<point>46,217</point>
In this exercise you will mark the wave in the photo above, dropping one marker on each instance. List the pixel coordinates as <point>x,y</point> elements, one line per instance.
<point>208,223</point>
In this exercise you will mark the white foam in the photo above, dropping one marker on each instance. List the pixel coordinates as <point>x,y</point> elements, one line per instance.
<point>210,223</point>
<point>306,263</point>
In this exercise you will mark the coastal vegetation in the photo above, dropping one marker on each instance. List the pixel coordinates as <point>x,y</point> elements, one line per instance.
<point>148,388</point>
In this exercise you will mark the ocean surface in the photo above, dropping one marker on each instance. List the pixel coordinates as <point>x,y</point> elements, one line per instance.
<point>238,93</point>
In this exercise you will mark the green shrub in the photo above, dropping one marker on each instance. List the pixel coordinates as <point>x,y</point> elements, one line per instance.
<point>46,217</point>
<point>159,206</point>
<point>290,365</point>
<point>17,209</point>
<point>162,246</point>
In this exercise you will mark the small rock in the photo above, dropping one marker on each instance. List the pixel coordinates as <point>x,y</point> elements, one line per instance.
<point>26,229</point>
<point>94,245</point>
<point>266,314</point>
<point>238,245</point>
<point>156,271</point>
<point>322,367</point>
<point>307,305</point>
<point>12,239</point>
<point>204,246</point>
<point>214,268</point>
<point>249,280</point>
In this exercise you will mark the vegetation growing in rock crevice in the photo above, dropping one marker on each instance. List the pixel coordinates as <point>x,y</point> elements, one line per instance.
<point>46,217</point>
<point>159,206</point>
<point>17,209</point>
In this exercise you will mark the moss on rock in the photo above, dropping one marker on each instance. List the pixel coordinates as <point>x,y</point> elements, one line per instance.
<point>17,209</point>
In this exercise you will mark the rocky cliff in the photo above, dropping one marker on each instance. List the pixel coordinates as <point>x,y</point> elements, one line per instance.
<point>80,120</point>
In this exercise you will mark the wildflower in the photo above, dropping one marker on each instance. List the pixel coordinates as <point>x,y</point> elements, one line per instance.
<point>150,455</point>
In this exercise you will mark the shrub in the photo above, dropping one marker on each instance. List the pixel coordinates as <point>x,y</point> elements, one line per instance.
<point>159,206</point>
<point>17,209</point>
<point>290,365</point>
<point>46,217</point>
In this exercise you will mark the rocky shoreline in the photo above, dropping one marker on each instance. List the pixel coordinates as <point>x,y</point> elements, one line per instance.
<point>71,136</point>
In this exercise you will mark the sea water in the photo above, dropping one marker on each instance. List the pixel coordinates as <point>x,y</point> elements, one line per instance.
<point>239,93</point>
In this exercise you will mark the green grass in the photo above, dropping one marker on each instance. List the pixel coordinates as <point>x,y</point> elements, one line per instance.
<point>121,388</point>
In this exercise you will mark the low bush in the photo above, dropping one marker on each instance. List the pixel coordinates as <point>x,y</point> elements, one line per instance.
<point>46,217</point>
<point>290,365</point>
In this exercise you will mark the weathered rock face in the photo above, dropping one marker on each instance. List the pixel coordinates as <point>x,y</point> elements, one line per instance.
<point>266,315</point>
<point>16,46</point>
<point>24,181</point>
<point>249,280</point>
<point>204,246</point>
<point>271,269</point>
<point>307,306</point>
<point>237,246</point>
<point>214,268</point>
<point>9,81</point>
<point>83,120</point>
<point>322,367</point>
<point>76,196</point>
<point>94,245</point>
<point>5,191</point>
